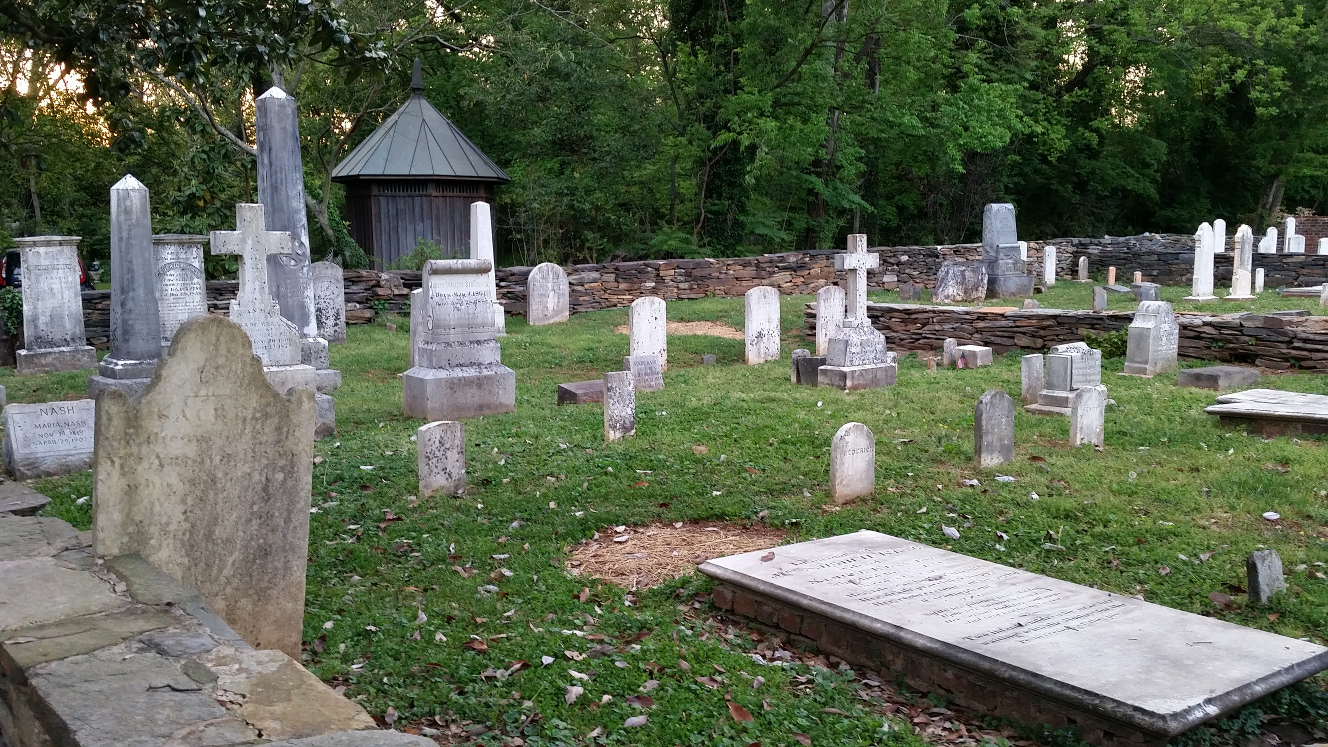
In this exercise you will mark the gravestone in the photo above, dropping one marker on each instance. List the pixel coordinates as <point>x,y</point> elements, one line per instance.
<point>646,374</point>
<point>135,320</point>
<point>1271,412</point>
<point>1083,270</point>
<point>53,333</point>
<point>1201,282</point>
<point>857,358</point>
<point>1049,265</point>
<point>1295,243</point>
<point>441,458</point>
<point>1323,294</point>
<point>1001,255</point>
<point>49,438</point>
<point>708,360</point>
<point>1323,245</point>
<point>481,248</point>
<point>619,406</point>
<point>908,292</point>
<point>1138,278</point>
<point>809,369</point>
<point>852,463</point>
<point>1031,303</point>
<point>581,392</point>
<point>1218,378</point>
<point>1242,271</point>
<point>207,476</point>
<point>797,355</point>
<point>1088,412</point>
<point>1030,377</point>
<point>829,315</point>
<point>181,281</point>
<point>1011,643</point>
<point>1153,340</point>
<point>973,356</point>
<point>1151,292</point>
<point>949,352</point>
<point>1219,236</point>
<point>1258,280</point>
<point>548,296</point>
<point>1068,368</point>
<point>1111,276</point>
<point>960,282</point>
<point>1268,244</point>
<point>330,301</point>
<point>993,429</point>
<point>1099,299</point>
<point>458,371</point>
<point>1085,364</point>
<point>647,329</point>
<point>761,325</point>
<point>1263,576</point>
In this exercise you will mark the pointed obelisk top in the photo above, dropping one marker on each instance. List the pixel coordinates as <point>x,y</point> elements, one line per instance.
<point>417,79</point>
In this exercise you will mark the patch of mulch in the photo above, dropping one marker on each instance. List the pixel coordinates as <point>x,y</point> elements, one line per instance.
<point>710,329</point>
<point>644,556</point>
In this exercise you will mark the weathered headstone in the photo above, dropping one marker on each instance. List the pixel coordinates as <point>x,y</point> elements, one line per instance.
<point>208,476</point>
<point>1069,367</point>
<point>53,333</point>
<point>852,462</point>
<point>1242,271</point>
<point>441,458</point>
<point>330,301</point>
<point>1219,236</point>
<point>1151,292</point>
<point>1049,265</point>
<point>797,355</point>
<point>1031,303</point>
<point>993,429</point>
<point>809,369</point>
<point>1085,363</point>
<point>619,406</point>
<point>1006,277</point>
<point>959,282</point>
<point>949,352</point>
<point>1099,299</point>
<point>708,360</point>
<point>647,329</point>
<point>973,356</point>
<point>49,438</point>
<point>1201,282</point>
<point>1153,341</point>
<point>1031,378</point>
<point>1295,243</point>
<point>1268,244</point>
<point>857,358</point>
<point>1218,378</point>
<point>181,281</point>
<point>1083,270</point>
<point>908,292</point>
<point>1323,294</point>
<point>581,392</point>
<point>548,296</point>
<point>1111,276</point>
<point>1263,576</point>
<point>829,315</point>
<point>646,373</point>
<point>135,320</point>
<point>458,371</point>
<point>761,325</point>
<point>1258,280</point>
<point>1138,277</point>
<point>1088,412</point>
<point>481,248</point>
<point>1323,245</point>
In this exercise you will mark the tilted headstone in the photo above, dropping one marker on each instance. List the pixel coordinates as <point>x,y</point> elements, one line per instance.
<point>949,352</point>
<point>1049,265</point>
<point>330,301</point>
<point>548,296</point>
<point>619,406</point>
<point>1088,411</point>
<point>1258,280</point>
<point>441,458</point>
<point>1006,277</point>
<point>1099,299</point>
<point>1219,236</point>
<point>647,329</point>
<point>1295,243</point>
<point>960,282</point>
<point>796,356</point>
<point>829,315</point>
<point>1201,283</point>
<point>1153,340</point>
<point>53,334</point>
<point>857,357</point>
<point>49,438</point>
<point>852,462</point>
<point>993,429</point>
<point>1263,576</point>
<point>581,392</point>
<point>458,371</point>
<point>481,248</point>
<point>135,320</point>
<point>207,476</point>
<point>761,325</point>
<point>1083,270</point>
<point>1031,377</point>
<point>647,376</point>
<point>1268,244</point>
<point>909,292</point>
<point>1242,271</point>
<point>181,281</point>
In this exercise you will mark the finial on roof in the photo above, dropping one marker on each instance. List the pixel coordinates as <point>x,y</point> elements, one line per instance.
<point>417,79</point>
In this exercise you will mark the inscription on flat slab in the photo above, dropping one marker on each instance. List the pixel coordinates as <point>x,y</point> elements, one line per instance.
<point>1149,666</point>
<point>51,438</point>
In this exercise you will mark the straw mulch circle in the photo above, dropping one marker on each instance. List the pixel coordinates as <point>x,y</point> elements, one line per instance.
<point>641,557</point>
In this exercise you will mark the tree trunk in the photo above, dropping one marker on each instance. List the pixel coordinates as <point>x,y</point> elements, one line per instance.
<point>1272,201</point>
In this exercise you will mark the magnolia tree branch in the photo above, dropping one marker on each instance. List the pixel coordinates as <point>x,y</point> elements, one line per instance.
<point>204,112</point>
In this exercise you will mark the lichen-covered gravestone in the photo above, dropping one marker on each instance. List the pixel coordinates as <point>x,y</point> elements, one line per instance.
<point>208,476</point>
<point>1201,281</point>
<point>852,462</point>
<point>181,281</point>
<point>548,296</point>
<point>619,406</point>
<point>960,282</point>
<point>1088,411</point>
<point>761,325</point>
<point>993,429</point>
<point>1153,342</point>
<point>647,329</point>
<point>330,301</point>
<point>829,315</point>
<point>441,457</point>
<point>53,334</point>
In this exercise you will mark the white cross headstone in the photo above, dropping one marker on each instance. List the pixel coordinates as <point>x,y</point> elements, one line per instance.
<point>275,339</point>
<point>857,261</point>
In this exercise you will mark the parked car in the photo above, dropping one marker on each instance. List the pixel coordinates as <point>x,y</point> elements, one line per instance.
<point>11,272</point>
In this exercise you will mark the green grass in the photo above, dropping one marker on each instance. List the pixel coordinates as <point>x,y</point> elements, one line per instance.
<point>1067,294</point>
<point>1170,483</point>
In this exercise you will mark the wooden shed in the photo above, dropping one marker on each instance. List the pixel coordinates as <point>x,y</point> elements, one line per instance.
<point>415,177</point>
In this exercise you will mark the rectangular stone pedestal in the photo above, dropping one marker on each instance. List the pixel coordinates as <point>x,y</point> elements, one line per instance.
<point>286,378</point>
<point>1051,402</point>
<point>1218,378</point>
<point>458,393</point>
<point>581,392</point>
<point>54,360</point>
<point>328,379</point>
<point>1272,412</point>
<point>852,378</point>
<point>1010,642</point>
<point>131,387</point>
<point>1009,286</point>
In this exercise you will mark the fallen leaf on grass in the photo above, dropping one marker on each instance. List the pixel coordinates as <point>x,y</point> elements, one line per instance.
<point>477,644</point>
<point>1164,570</point>
<point>684,666</point>
<point>710,682</point>
<point>650,685</point>
<point>1221,600</point>
<point>739,713</point>
<point>573,692</point>
<point>641,701</point>
<point>391,716</point>
<point>753,470</point>
<point>1272,617</point>
<point>835,711</point>
<point>700,449</point>
<point>635,721</point>
<point>578,675</point>
<point>642,484</point>
<point>803,740</point>
<point>584,595</point>
<point>1277,467</point>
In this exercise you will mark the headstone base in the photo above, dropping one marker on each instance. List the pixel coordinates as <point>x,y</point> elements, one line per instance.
<point>809,369</point>
<point>325,415</point>
<point>1009,286</point>
<point>286,378</point>
<point>581,392</point>
<point>458,393</point>
<point>313,352</point>
<point>131,387</point>
<point>114,368</point>
<point>1234,297</point>
<point>327,379</point>
<point>1271,413</point>
<point>973,356</point>
<point>1051,402</point>
<point>1190,299</point>
<point>853,378</point>
<point>55,360</point>
<point>1218,378</point>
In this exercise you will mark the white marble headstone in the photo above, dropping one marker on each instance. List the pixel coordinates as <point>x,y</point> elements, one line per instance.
<point>330,301</point>
<point>852,462</point>
<point>1153,341</point>
<point>647,329</point>
<point>50,438</point>
<point>52,303</point>
<point>829,315</point>
<point>181,282</point>
<point>761,327</point>
<point>547,295</point>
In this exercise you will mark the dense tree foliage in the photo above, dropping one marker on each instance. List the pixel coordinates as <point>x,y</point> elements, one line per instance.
<point>690,127</point>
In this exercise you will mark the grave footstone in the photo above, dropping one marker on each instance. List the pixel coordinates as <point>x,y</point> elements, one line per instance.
<point>548,296</point>
<point>1153,340</point>
<point>797,355</point>
<point>1138,277</point>
<point>1099,299</point>
<point>1219,236</point>
<point>1242,272</point>
<point>708,360</point>
<point>852,463</point>
<point>458,372</point>
<point>441,458</point>
<point>1049,265</point>
<point>646,373</point>
<point>53,334</point>
<point>1001,254</point>
<point>1030,377</point>
<point>647,329</point>
<point>619,406</point>
<point>1263,576</point>
<point>181,281</point>
<point>1151,292</point>
<point>1201,283</point>
<point>1083,270</point>
<point>908,293</point>
<point>857,357</point>
<point>960,282</point>
<point>829,315</point>
<point>581,392</point>
<point>48,438</point>
<point>1088,411</point>
<point>330,301</point>
<point>761,325</point>
<point>993,429</point>
<point>973,356</point>
<point>481,248</point>
<point>1218,378</point>
<point>208,477</point>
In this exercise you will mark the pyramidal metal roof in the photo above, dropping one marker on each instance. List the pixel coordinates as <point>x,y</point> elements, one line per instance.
<point>418,142</point>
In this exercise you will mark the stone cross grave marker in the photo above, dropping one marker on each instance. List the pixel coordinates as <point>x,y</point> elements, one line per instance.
<point>548,296</point>
<point>646,373</point>
<point>619,406</point>
<point>830,314</point>
<point>993,429</point>
<point>1088,412</point>
<point>276,341</point>
<point>54,338</point>
<point>1153,340</point>
<point>48,438</point>
<point>1242,272</point>
<point>1201,282</point>
<point>647,329</point>
<point>856,357</point>
<point>135,319</point>
<point>852,462</point>
<point>330,301</point>
<point>441,458</point>
<point>181,281</point>
<point>761,324</point>
<point>856,261</point>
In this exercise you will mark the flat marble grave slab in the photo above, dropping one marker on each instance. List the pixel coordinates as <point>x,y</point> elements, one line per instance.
<point>1272,412</point>
<point>1156,669</point>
